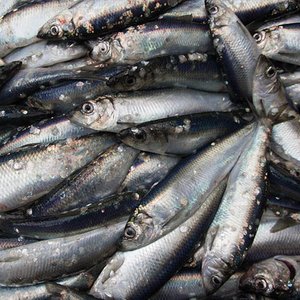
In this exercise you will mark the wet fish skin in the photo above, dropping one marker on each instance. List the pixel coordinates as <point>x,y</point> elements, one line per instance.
<point>28,81</point>
<point>42,133</point>
<point>13,32</point>
<point>235,47</point>
<point>166,206</point>
<point>247,11</point>
<point>21,115</point>
<point>70,94</point>
<point>272,277</point>
<point>267,244</point>
<point>151,40</point>
<point>46,260</point>
<point>46,53</point>
<point>280,42</point>
<point>128,275</point>
<point>285,142</point>
<point>115,113</point>
<point>109,210</point>
<point>99,179</point>
<point>269,97</point>
<point>7,243</point>
<point>93,18</point>
<point>195,71</point>
<point>235,224</point>
<point>147,170</point>
<point>181,135</point>
<point>8,71</point>
<point>35,171</point>
<point>292,94</point>
<point>9,5</point>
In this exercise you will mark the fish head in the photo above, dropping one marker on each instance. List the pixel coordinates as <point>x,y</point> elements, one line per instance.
<point>94,114</point>
<point>271,277</point>
<point>131,80</point>
<point>269,97</point>
<point>60,27</point>
<point>101,49</point>
<point>215,272</point>
<point>138,231</point>
<point>145,138</point>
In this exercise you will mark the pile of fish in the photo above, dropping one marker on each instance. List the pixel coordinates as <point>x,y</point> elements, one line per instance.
<point>150,149</point>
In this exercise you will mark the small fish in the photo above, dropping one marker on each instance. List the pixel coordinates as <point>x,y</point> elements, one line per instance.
<point>45,54</point>
<point>272,277</point>
<point>195,71</point>
<point>8,71</point>
<point>32,172</point>
<point>235,47</point>
<point>115,113</point>
<point>183,190</point>
<point>151,40</point>
<point>181,135</point>
<point>91,18</point>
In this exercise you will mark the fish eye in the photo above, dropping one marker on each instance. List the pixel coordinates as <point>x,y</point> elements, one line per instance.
<point>130,80</point>
<point>87,108</point>
<point>138,134</point>
<point>270,72</point>
<point>216,280</point>
<point>129,232</point>
<point>259,36</point>
<point>213,10</point>
<point>54,30</point>
<point>104,47</point>
<point>261,284</point>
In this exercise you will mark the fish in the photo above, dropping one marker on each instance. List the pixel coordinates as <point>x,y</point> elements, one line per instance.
<point>21,115</point>
<point>49,259</point>
<point>31,173</point>
<point>46,53</point>
<point>269,99</point>
<point>284,143</point>
<point>280,42</point>
<point>28,81</point>
<point>267,244</point>
<point>44,132</point>
<point>7,71</point>
<point>151,40</point>
<point>91,18</point>
<point>146,171</point>
<point>12,30</point>
<point>9,5</point>
<point>181,135</point>
<point>115,113</point>
<point>99,179</point>
<point>246,11</point>
<point>195,71</point>
<point>109,210</point>
<point>188,283</point>
<point>236,48</point>
<point>10,242</point>
<point>238,216</point>
<point>120,278</point>
<point>166,206</point>
<point>272,277</point>
<point>68,95</point>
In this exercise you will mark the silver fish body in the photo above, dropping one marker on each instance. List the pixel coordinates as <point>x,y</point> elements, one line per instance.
<point>48,260</point>
<point>45,54</point>
<point>195,71</point>
<point>151,40</point>
<point>235,224</point>
<point>166,206</point>
<point>128,275</point>
<point>114,113</point>
<point>92,18</point>
<point>35,171</point>
<point>45,132</point>
<point>235,46</point>
<point>99,179</point>
<point>12,30</point>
